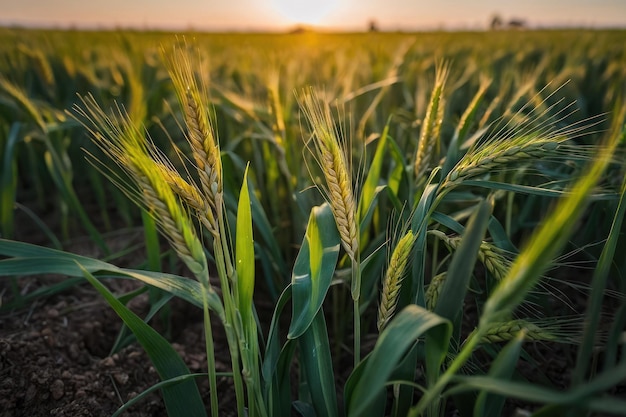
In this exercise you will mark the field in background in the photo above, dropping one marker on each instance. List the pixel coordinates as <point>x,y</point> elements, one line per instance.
<point>252,79</point>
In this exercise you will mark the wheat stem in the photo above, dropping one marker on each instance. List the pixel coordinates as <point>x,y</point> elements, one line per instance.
<point>206,156</point>
<point>119,137</point>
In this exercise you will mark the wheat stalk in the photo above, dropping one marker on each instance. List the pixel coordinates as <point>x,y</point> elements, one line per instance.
<point>206,155</point>
<point>393,279</point>
<point>158,185</point>
<point>333,160</point>
<point>334,163</point>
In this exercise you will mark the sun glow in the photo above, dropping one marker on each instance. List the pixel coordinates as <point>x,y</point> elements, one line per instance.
<point>310,12</point>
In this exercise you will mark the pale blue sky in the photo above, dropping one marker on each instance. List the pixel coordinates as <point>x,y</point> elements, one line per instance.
<point>347,14</point>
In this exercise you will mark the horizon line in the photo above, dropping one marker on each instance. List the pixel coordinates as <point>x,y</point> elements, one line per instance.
<point>440,27</point>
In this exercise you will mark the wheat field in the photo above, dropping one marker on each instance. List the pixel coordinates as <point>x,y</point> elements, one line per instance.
<point>433,209</point>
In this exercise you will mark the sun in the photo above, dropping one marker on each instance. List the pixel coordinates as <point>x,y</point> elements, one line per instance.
<point>311,12</point>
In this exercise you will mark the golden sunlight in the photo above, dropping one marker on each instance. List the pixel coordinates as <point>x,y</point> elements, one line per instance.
<point>310,12</point>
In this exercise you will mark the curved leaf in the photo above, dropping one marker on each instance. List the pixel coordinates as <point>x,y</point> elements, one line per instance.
<point>314,268</point>
<point>587,396</point>
<point>27,259</point>
<point>393,343</point>
<point>182,399</point>
<point>455,287</point>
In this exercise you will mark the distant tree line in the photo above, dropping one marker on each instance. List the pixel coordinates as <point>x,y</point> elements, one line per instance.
<point>498,23</point>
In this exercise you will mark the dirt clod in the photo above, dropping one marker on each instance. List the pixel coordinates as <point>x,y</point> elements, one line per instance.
<point>56,389</point>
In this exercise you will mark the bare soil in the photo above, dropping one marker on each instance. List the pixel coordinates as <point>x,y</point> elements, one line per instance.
<point>55,356</point>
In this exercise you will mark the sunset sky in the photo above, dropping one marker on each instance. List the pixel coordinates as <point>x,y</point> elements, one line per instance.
<point>244,15</point>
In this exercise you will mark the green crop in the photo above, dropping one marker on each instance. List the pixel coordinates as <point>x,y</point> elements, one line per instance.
<point>402,199</point>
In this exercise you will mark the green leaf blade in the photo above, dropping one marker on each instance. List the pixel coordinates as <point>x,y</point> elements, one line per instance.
<point>245,253</point>
<point>402,332</point>
<point>460,270</point>
<point>182,399</point>
<point>488,404</point>
<point>318,366</point>
<point>314,268</point>
<point>369,192</point>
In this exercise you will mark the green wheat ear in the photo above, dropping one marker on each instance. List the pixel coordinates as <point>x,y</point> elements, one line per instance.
<point>119,137</point>
<point>489,255</point>
<point>393,279</point>
<point>333,160</point>
<point>430,136</point>
<point>200,134</point>
<point>434,289</point>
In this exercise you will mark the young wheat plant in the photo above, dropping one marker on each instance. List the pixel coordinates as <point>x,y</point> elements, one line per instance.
<point>169,197</point>
<point>334,163</point>
<point>121,139</point>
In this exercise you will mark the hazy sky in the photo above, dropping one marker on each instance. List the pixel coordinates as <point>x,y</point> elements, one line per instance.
<point>278,14</point>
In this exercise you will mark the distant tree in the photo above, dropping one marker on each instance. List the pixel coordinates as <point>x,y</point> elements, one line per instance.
<point>373,26</point>
<point>299,29</point>
<point>496,22</point>
<point>516,24</point>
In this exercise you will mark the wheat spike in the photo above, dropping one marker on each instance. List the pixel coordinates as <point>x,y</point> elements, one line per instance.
<point>530,134</point>
<point>334,163</point>
<point>431,127</point>
<point>173,221</point>
<point>43,68</point>
<point>434,289</point>
<point>507,330</point>
<point>201,136</point>
<point>122,140</point>
<point>488,254</point>
<point>497,154</point>
<point>393,279</point>
<point>186,191</point>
